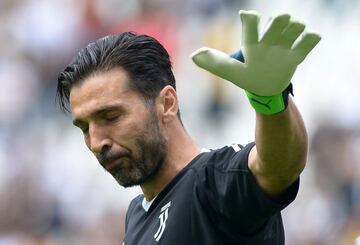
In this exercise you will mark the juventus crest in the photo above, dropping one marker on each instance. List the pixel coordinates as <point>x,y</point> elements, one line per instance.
<point>164,214</point>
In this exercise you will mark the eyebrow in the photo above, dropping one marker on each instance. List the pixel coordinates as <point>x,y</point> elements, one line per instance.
<point>99,111</point>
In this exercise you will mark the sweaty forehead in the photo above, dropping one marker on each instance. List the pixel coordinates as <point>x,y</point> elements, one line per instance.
<point>99,90</point>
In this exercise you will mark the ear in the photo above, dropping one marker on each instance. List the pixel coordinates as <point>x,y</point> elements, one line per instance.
<point>168,104</point>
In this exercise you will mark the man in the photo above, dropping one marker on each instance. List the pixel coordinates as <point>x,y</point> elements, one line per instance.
<point>122,95</point>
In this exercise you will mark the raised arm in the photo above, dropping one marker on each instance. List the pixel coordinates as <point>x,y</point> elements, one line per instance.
<point>280,150</point>
<point>264,68</point>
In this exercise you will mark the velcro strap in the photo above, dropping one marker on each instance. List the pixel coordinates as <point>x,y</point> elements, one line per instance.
<point>270,105</point>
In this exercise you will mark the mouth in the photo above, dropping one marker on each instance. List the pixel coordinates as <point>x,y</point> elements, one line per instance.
<point>114,163</point>
<point>111,161</point>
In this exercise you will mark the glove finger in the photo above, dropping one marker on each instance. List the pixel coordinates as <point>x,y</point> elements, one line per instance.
<point>306,44</point>
<point>218,63</point>
<point>291,33</point>
<point>250,22</point>
<point>277,26</point>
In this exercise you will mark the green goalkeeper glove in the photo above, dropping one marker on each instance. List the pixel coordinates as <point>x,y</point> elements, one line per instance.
<point>269,63</point>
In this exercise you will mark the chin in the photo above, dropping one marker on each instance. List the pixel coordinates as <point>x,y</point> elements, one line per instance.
<point>128,182</point>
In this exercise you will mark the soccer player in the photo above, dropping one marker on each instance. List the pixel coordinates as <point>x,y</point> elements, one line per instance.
<point>121,93</point>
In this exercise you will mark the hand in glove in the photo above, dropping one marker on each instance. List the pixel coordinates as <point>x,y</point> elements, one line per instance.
<point>269,63</point>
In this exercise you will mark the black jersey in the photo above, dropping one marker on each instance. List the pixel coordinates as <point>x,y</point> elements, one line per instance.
<point>214,200</point>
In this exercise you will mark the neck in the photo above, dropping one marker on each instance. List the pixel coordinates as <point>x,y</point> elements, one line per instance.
<point>181,149</point>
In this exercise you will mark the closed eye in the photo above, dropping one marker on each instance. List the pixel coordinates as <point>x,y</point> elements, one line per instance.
<point>111,117</point>
<point>104,115</point>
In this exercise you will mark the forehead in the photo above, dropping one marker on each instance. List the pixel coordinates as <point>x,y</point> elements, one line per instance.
<point>100,90</point>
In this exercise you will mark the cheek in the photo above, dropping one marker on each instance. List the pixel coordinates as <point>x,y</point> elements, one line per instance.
<point>125,132</point>
<point>131,127</point>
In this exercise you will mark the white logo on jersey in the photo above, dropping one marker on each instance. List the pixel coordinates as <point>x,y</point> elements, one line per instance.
<point>164,213</point>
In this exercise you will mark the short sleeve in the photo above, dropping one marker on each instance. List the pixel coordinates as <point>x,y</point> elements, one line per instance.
<point>234,198</point>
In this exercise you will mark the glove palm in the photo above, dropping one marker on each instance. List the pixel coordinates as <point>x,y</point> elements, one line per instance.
<point>269,63</point>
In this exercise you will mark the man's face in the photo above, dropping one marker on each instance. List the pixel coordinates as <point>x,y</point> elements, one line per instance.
<point>118,127</point>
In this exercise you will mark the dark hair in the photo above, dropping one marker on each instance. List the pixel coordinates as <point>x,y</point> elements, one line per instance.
<point>145,60</point>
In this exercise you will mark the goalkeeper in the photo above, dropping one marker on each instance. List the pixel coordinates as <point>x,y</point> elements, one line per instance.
<point>121,93</point>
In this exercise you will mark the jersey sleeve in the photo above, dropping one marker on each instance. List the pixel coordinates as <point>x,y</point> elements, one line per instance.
<point>232,194</point>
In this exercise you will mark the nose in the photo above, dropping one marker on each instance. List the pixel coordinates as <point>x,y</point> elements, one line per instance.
<point>98,141</point>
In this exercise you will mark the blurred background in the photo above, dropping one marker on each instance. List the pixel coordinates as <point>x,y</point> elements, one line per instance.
<point>52,190</point>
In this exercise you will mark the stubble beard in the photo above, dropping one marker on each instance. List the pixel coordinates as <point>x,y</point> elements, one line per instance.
<point>147,158</point>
